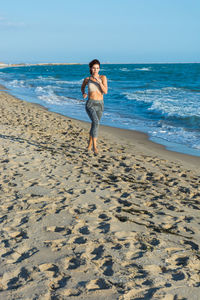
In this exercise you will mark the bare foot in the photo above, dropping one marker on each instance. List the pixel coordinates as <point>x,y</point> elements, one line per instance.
<point>96,151</point>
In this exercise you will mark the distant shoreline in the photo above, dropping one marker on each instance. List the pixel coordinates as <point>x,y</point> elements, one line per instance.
<point>2,65</point>
<point>38,64</point>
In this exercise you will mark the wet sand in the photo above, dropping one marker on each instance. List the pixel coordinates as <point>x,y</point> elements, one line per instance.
<point>120,225</point>
<point>2,88</point>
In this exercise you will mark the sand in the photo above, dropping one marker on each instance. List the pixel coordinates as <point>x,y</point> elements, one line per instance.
<point>2,87</point>
<point>120,225</point>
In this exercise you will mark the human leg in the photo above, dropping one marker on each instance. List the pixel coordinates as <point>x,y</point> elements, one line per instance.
<point>90,142</point>
<point>94,109</point>
<point>99,112</point>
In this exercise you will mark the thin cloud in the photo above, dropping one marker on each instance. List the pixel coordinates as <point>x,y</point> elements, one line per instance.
<point>7,24</point>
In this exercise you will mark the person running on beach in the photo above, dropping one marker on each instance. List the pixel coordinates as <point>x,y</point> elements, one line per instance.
<point>97,87</point>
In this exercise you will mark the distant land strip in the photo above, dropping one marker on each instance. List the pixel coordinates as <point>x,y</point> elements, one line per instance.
<point>38,64</point>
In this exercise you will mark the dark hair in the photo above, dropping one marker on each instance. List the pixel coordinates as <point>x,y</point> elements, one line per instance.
<point>94,62</point>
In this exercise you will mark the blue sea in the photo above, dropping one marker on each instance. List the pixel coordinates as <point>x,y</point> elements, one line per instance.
<point>162,100</point>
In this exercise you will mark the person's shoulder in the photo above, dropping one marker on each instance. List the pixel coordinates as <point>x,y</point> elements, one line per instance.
<point>103,77</point>
<point>86,79</point>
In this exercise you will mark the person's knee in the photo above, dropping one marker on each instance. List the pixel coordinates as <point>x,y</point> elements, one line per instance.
<point>96,122</point>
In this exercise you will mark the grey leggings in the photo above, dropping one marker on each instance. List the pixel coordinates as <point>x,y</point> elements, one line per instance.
<point>94,109</point>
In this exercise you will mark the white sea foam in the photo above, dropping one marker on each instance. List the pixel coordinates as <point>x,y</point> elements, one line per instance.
<point>52,98</point>
<point>39,89</point>
<point>177,109</point>
<point>124,70</point>
<point>48,95</point>
<point>58,81</point>
<point>16,83</point>
<point>142,69</point>
<point>45,78</point>
<point>169,101</point>
<point>196,146</point>
<point>77,82</point>
<point>176,135</point>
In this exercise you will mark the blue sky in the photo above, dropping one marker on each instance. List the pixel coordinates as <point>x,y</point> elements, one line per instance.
<point>115,31</point>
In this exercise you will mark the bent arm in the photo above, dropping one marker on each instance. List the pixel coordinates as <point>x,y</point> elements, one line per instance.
<point>104,84</point>
<point>85,82</point>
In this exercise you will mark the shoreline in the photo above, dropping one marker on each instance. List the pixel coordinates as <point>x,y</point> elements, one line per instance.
<point>120,225</point>
<point>152,148</point>
<point>141,140</point>
<point>3,88</point>
<point>129,136</point>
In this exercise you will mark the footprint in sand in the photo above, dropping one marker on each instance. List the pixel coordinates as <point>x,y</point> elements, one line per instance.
<point>73,263</point>
<point>107,267</point>
<point>19,254</point>
<point>79,240</point>
<point>98,252</point>
<point>52,272</point>
<point>16,279</point>
<point>56,245</point>
<point>89,208</point>
<point>50,269</point>
<point>84,230</point>
<point>61,229</point>
<point>98,284</point>
<point>104,227</point>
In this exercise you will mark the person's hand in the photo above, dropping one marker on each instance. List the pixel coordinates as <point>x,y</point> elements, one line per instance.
<point>97,80</point>
<point>84,95</point>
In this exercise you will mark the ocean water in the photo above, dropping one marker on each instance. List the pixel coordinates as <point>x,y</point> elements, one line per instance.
<point>162,100</point>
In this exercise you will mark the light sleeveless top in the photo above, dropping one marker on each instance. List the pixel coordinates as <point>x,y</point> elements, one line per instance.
<point>94,86</point>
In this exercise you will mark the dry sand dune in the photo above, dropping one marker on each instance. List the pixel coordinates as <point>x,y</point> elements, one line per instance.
<point>120,225</point>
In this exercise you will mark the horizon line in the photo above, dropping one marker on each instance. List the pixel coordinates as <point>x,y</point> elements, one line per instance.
<point>102,63</point>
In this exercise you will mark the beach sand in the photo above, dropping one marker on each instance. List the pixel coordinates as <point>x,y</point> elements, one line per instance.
<point>120,225</point>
